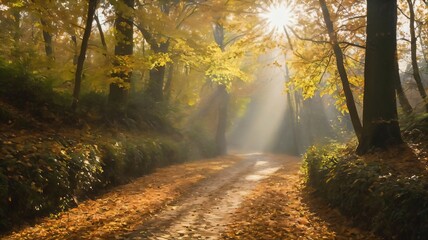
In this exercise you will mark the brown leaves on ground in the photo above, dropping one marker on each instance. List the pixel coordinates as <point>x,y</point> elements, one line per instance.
<point>124,208</point>
<point>280,208</point>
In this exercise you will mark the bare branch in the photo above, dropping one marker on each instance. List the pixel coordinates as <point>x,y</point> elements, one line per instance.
<point>326,42</point>
<point>404,39</point>
<point>402,12</point>
<point>352,44</point>
<point>326,67</point>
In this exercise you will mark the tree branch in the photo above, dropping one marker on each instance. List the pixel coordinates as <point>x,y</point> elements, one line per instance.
<point>402,12</point>
<point>325,42</point>
<point>325,69</point>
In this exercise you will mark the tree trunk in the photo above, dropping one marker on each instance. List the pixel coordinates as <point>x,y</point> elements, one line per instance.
<point>413,47</point>
<point>292,127</point>
<point>81,60</point>
<point>380,120</point>
<point>118,96</point>
<point>47,37</point>
<point>296,121</point>
<point>422,43</point>
<point>293,116</point>
<point>402,99</point>
<point>223,95</point>
<point>350,103</point>
<point>169,78</point>
<point>16,12</point>
<point>220,138</point>
<point>102,37</point>
<point>157,76</point>
<point>76,50</point>
<point>155,87</point>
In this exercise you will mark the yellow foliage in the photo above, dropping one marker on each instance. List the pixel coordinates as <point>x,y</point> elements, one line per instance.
<point>224,66</point>
<point>120,82</point>
<point>159,60</point>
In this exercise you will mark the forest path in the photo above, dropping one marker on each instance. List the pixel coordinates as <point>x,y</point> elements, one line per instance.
<point>205,211</point>
<point>249,196</point>
<point>260,197</point>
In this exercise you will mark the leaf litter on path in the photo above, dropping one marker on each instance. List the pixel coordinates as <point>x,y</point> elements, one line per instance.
<point>123,208</point>
<point>234,197</point>
<point>281,208</point>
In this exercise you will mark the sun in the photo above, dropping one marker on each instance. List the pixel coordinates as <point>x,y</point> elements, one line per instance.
<point>277,15</point>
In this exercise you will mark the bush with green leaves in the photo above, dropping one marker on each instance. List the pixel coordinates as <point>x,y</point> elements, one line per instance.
<point>199,143</point>
<point>93,104</point>
<point>50,177</point>
<point>41,182</point>
<point>145,113</point>
<point>392,204</point>
<point>25,90</point>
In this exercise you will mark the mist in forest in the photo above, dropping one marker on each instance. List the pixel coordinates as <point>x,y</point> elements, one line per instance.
<point>283,121</point>
<point>257,128</point>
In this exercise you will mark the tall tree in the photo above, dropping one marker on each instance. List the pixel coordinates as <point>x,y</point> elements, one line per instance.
<point>414,49</point>
<point>102,37</point>
<point>171,16</point>
<point>159,44</point>
<point>46,27</point>
<point>124,34</point>
<point>17,31</point>
<point>402,98</point>
<point>350,103</point>
<point>92,6</point>
<point>380,120</point>
<point>157,74</point>
<point>325,59</point>
<point>169,78</point>
<point>223,96</point>
<point>47,37</point>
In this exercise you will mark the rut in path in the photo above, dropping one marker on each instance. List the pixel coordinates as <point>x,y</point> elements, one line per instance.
<point>204,212</point>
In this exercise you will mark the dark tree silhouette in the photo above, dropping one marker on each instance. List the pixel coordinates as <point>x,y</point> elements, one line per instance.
<point>350,102</point>
<point>118,96</point>
<point>220,139</point>
<point>81,60</point>
<point>380,120</point>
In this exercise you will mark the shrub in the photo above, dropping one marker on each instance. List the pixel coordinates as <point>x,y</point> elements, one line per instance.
<point>199,143</point>
<point>414,121</point>
<point>148,114</point>
<point>25,90</point>
<point>373,194</point>
<point>41,183</point>
<point>85,168</point>
<point>5,116</point>
<point>50,177</point>
<point>318,162</point>
<point>93,104</point>
<point>113,161</point>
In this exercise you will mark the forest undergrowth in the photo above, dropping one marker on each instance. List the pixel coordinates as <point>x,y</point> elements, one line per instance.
<point>122,209</point>
<point>385,191</point>
<point>52,158</point>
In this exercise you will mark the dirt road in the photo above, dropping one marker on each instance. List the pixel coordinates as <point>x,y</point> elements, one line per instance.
<point>249,196</point>
<point>205,211</point>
